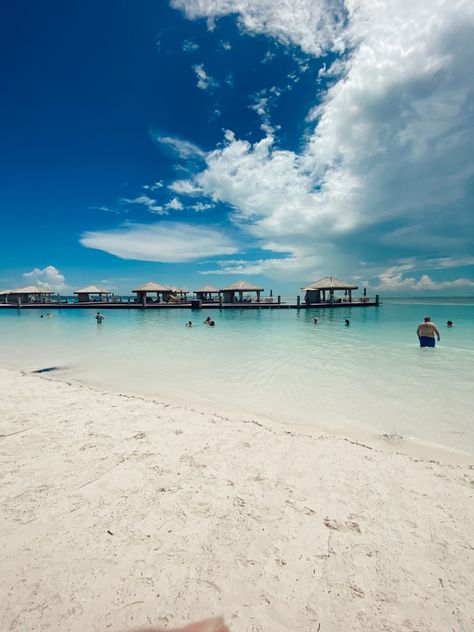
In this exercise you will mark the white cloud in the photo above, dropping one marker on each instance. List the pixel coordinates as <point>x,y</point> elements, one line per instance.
<point>393,279</point>
<point>46,278</point>
<point>150,204</point>
<point>392,140</point>
<point>314,26</point>
<point>226,45</point>
<point>202,206</point>
<point>174,205</point>
<point>205,81</point>
<point>165,241</point>
<point>153,187</point>
<point>185,187</point>
<point>284,268</point>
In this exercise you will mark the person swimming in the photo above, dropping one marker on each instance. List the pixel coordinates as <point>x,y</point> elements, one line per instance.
<point>347,322</point>
<point>207,321</point>
<point>99,317</point>
<point>212,323</point>
<point>450,323</point>
<point>189,323</point>
<point>315,321</point>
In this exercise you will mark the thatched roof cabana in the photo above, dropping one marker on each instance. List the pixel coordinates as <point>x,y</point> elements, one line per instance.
<point>330,283</point>
<point>152,287</point>
<point>316,292</point>
<point>29,294</point>
<point>84,294</point>
<point>239,287</point>
<point>205,292</point>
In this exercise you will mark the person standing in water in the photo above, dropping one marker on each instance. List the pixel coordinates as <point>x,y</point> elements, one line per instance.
<point>99,317</point>
<point>426,333</point>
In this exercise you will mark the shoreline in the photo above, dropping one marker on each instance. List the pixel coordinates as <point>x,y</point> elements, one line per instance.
<point>390,443</point>
<point>121,512</point>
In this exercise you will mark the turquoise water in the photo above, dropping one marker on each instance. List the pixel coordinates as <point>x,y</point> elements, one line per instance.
<point>369,378</point>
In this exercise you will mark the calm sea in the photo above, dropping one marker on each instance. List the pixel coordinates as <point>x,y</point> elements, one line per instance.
<point>367,379</point>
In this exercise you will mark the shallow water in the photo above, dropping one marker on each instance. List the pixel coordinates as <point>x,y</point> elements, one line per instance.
<point>371,377</point>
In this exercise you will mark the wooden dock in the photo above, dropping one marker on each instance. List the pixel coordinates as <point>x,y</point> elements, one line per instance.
<point>195,305</point>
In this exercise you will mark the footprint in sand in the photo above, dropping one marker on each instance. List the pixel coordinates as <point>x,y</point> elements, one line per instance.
<point>335,525</point>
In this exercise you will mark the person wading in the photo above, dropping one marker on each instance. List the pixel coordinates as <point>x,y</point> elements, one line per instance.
<point>426,333</point>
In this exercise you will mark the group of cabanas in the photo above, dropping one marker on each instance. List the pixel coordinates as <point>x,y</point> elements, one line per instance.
<point>233,293</point>
<point>319,292</point>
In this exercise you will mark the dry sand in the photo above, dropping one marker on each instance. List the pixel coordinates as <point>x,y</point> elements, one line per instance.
<point>119,511</point>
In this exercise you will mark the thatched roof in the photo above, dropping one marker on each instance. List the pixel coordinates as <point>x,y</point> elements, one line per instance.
<point>151,286</point>
<point>30,289</point>
<point>242,286</point>
<point>330,283</point>
<point>207,289</point>
<point>92,289</point>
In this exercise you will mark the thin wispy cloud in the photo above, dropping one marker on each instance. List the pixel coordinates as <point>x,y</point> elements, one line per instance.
<point>183,148</point>
<point>189,46</point>
<point>167,242</point>
<point>107,209</point>
<point>205,81</point>
<point>149,203</point>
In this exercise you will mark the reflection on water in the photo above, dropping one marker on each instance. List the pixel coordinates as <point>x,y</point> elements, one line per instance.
<point>272,363</point>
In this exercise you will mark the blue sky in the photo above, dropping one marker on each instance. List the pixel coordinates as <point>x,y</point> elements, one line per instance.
<point>196,142</point>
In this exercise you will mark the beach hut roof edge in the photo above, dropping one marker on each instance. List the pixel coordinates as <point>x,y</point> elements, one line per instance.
<point>92,289</point>
<point>330,283</point>
<point>30,289</point>
<point>242,286</point>
<point>209,289</point>
<point>151,286</point>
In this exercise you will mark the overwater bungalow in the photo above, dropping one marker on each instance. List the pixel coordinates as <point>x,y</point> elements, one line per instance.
<point>163,291</point>
<point>92,293</point>
<point>206,292</point>
<point>316,292</point>
<point>237,289</point>
<point>28,294</point>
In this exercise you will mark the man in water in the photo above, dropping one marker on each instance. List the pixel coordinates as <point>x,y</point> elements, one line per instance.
<point>426,333</point>
<point>99,317</point>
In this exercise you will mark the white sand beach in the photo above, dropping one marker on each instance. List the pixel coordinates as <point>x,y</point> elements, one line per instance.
<point>119,512</point>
